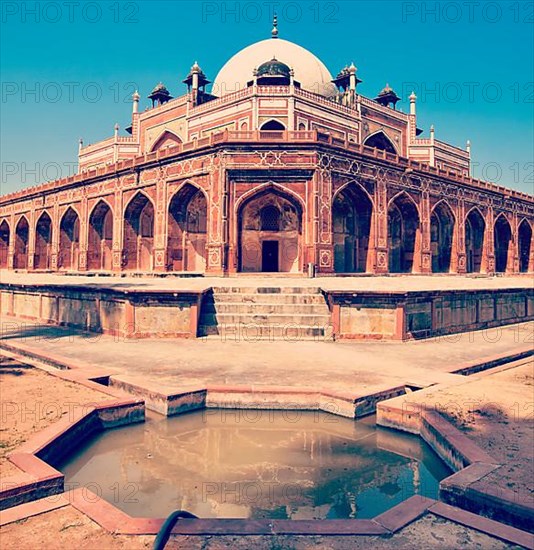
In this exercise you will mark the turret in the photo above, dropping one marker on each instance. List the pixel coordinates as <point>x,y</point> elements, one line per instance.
<point>413,99</point>
<point>135,105</point>
<point>346,82</point>
<point>196,81</point>
<point>387,97</point>
<point>160,95</point>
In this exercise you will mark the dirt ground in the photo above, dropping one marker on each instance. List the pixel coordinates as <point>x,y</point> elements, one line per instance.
<point>31,400</point>
<point>64,529</point>
<point>496,410</point>
<point>67,529</point>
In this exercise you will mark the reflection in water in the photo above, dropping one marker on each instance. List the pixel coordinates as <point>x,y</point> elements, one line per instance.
<point>255,464</point>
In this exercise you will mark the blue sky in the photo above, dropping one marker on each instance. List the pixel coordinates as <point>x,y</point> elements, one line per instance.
<point>68,69</point>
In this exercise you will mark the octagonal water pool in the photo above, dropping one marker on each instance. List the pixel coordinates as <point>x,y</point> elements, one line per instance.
<point>229,463</point>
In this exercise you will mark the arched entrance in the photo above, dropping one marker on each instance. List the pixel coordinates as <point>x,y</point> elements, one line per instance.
<point>270,232</point>
<point>403,234</point>
<point>69,240</point>
<point>20,252</point>
<point>187,230</point>
<point>351,226</point>
<point>441,237</point>
<point>166,140</point>
<point>43,242</point>
<point>138,242</point>
<point>380,141</point>
<point>100,238</point>
<point>525,242</point>
<point>502,235</point>
<point>474,241</point>
<point>4,244</point>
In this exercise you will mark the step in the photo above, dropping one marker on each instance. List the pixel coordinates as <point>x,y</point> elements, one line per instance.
<point>266,290</point>
<point>283,320</point>
<point>264,307</point>
<point>243,332</point>
<point>285,298</point>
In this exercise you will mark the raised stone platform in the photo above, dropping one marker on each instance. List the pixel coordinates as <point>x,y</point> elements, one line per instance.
<point>274,308</point>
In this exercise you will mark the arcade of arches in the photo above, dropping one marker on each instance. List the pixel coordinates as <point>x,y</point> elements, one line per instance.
<point>100,238</point>
<point>351,228</point>
<point>43,242</point>
<point>138,239</point>
<point>404,235</point>
<point>187,230</point>
<point>475,228</point>
<point>270,234</point>
<point>270,230</point>
<point>4,244</point>
<point>69,241</point>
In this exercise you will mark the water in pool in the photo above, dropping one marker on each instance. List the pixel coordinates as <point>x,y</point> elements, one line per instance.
<point>255,464</point>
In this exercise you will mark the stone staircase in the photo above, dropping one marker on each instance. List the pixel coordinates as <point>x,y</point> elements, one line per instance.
<point>265,313</point>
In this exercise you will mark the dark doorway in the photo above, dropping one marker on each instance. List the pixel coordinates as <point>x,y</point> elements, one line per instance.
<point>269,256</point>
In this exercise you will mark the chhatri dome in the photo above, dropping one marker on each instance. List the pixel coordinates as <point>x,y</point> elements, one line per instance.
<point>309,70</point>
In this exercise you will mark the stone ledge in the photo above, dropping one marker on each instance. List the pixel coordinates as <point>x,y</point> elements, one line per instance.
<point>115,521</point>
<point>35,458</point>
<point>485,525</point>
<point>462,454</point>
<point>24,511</point>
<point>404,513</point>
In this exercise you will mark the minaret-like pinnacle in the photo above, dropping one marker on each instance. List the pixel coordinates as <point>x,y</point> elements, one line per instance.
<point>274,32</point>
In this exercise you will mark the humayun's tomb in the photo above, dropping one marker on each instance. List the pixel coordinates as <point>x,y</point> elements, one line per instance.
<point>279,166</point>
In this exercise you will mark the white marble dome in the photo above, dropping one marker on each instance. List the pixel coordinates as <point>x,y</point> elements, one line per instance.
<point>309,70</point>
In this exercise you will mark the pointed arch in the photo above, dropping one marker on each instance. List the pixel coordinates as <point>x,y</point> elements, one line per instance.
<point>358,186</point>
<point>524,236</point>
<point>475,228</point>
<point>138,241</point>
<point>502,236</point>
<point>442,236</point>
<point>20,251</point>
<point>275,188</point>
<point>189,184</point>
<point>166,139</point>
<point>272,125</point>
<point>187,229</point>
<point>270,248</point>
<point>404,196</point>
<point>43,241</point>
<point>352,210</point>
<point>380,140</point>
<point>5,234</point>
<point>101,203</point>
<point>100,237</point>
<point>404,234</point>
<point>69,239</point>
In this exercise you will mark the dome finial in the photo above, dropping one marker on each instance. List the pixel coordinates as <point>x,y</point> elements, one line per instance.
<point>274,32</point>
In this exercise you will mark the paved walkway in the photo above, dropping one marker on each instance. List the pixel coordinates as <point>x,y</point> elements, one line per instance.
<point>357,368</point>
<point>361,283</point>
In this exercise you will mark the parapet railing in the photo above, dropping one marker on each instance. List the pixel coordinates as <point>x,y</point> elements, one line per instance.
<point>227,136</point>
<point>451,149</point>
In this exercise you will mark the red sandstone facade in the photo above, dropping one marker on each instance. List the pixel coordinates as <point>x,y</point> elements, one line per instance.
<point>269,178</point>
